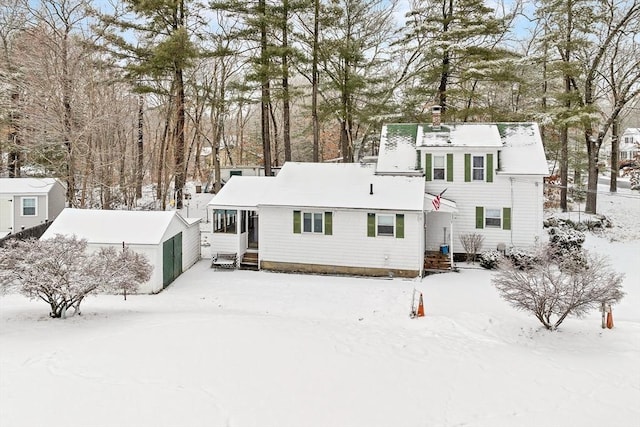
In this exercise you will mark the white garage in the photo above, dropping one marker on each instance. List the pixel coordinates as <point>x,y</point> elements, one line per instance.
<point>171,242</point>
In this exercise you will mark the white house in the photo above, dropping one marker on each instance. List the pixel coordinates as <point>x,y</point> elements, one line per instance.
<point>431,185</point>
<point>171,242</point>
<point>490,177</point>
<point>27,202</point>
<point>325,218</point>
<point>629,147</point>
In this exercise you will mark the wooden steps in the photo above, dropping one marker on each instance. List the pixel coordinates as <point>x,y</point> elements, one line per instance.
<point>435,261</point>
<point>249,261</point>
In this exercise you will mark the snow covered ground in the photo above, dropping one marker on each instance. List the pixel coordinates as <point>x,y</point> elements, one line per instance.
<point>242,348</point>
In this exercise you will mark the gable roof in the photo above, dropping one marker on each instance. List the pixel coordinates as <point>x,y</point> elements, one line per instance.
<point>521,147</point>
<point>26,185</point>
<point>324,185</point>
<point>113,226</point>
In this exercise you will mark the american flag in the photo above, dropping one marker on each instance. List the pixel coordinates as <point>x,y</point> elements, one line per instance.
<point>436,202</point>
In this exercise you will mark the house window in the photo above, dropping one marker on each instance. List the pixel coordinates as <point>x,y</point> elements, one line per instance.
<point>29,206</point>
<point>493,218</point>
<point>478,168</point>
<point>312,222</point>
<point>385,225</point>
<point>438,167</point>
<point>225,221</point>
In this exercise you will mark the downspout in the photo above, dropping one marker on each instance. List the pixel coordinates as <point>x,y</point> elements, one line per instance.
<point>451,241</point>
<point>511,207</point>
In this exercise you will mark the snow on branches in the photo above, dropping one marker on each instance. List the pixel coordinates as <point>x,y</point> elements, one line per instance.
<point>62,272</point>
<point>558,285</point>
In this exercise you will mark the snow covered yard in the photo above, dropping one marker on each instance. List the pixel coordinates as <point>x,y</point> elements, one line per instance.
<point>242,348</point>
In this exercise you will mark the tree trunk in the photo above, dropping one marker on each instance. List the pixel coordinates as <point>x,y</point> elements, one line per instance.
<point>266,90</point>
<point>314,82</point>
<point>615,149</point>
<point>286,113</point>
<point>140,148</point>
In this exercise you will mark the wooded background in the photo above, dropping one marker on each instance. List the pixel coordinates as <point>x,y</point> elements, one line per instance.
<point>111,96</point>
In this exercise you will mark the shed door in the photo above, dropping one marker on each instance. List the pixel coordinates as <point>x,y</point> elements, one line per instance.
<point>171,259</point>
<point>6,215</point>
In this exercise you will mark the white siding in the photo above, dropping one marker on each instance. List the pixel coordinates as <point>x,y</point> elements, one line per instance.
<point>347,246</point>
<point>523,194</point>
<point>190,245</point>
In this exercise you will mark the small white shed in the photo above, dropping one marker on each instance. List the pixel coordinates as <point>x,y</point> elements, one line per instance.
<point>171,242</point>
<point>27,202</point>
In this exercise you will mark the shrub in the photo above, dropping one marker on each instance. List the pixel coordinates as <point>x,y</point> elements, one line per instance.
<point>472,243</point>
<point>490,259</point>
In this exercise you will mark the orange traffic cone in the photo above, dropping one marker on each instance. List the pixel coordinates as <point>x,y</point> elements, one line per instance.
<point>420,312</point>
<point>609,320</point>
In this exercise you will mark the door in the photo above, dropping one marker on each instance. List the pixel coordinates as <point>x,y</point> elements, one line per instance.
<point>253,229</point>
<point>171,259</point>
<point>6,215</point>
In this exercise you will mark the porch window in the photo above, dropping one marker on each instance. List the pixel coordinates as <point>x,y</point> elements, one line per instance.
<point>29,206</point>
<point>225,221</point>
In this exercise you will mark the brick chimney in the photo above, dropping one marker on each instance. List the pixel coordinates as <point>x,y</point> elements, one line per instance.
<point>435,116</point>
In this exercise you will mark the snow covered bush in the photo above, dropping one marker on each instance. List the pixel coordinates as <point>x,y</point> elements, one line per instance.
<point>522,259</point>
<point>566,238</point>
<point>556,287</point>
<point>61,272</point>
<point>490,259</point>
<point>472,243</point>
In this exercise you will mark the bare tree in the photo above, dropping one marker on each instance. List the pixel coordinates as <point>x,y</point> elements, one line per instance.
<point>472,243</point>
<point>556,287</point>
<point>61,272</point>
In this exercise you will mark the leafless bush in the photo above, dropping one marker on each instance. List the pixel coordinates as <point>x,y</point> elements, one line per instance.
<point>554,288</point>
<point>472,244</point>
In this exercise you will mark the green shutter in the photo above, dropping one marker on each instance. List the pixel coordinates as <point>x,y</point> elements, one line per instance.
<point>506,218</point>
<point>427,167</point>
<point>479,217</point>
<point>450,167</point>
<point>418,160</point>
<point>371,225</point>
<point>328,223</point>
<point>489,167</point>
<point>399,226</point>
<point>296,222</point>
<point>467,168</point>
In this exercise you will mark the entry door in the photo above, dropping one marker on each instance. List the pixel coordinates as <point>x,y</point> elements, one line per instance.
<point>253,229</point>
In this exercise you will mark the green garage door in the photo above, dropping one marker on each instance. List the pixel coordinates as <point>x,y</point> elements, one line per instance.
<point>171,259</point>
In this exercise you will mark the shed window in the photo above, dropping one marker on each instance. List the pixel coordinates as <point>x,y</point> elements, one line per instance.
<point>29,206</point>
<point>225,221</point>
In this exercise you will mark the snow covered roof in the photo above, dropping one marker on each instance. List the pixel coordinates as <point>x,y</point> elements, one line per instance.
<point>113,226</point>
<point>325,185</point>
<point>523,152</point>
<point>26,185</point>
<point>520,144</point>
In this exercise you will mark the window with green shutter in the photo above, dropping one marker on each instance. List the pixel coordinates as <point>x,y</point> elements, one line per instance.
<point>427,167</point>
<point>450,167</point>
<point>467,168</point>
<point>400,226</point>
<point>328,223</point>
<point>297,223</point>
<point>479,217</point>
<point>371,225</point>
<point>489,167</point>
<point>506,218</point>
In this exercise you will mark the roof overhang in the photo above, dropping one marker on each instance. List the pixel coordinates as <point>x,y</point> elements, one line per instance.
<point>446,205</point>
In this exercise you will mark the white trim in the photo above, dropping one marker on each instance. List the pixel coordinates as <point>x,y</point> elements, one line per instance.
<point>22,199</point>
